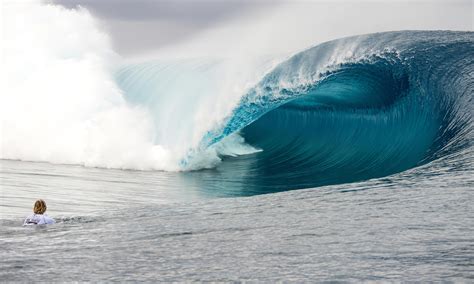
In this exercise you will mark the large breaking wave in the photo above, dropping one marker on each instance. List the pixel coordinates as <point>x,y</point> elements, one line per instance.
<point>395,101</point>
<point>346,110</point>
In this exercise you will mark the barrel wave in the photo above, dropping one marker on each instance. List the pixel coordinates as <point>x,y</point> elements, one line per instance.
<point>351,109</point>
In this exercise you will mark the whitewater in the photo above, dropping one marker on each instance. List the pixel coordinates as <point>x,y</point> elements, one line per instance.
<point>349,160</point>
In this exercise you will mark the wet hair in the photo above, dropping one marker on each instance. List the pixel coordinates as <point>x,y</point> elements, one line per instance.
<point>40,206</point>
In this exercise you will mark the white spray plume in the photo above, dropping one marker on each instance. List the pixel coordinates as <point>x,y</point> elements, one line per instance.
<point>59,102</point>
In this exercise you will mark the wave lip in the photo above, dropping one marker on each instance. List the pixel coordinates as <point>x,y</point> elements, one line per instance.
<point>357,108</point>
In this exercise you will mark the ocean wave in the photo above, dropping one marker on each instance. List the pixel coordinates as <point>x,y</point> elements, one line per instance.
<point>358,108</point>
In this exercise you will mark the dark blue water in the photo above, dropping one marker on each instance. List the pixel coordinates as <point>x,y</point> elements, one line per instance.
<point>397,101</point>
<point>343,111</point>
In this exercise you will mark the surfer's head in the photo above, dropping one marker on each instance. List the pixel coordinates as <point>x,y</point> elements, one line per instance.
<point>40,206</point>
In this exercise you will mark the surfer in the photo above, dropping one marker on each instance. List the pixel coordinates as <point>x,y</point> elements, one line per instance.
<point>38,217</point>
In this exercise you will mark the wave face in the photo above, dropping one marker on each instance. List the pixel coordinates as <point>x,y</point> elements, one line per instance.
<point>354,109</point>
<point>346,110</point>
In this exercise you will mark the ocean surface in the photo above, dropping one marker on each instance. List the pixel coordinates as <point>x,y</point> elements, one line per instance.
<point>352,160</point>
<point>125,225</point>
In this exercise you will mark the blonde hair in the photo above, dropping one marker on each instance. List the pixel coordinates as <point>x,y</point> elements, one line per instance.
<point>40,206</point>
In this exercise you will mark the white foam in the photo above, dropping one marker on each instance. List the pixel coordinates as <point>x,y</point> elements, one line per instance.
<point>59,102</point>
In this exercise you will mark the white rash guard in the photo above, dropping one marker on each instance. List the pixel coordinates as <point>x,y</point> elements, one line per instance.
<point>38,219</point>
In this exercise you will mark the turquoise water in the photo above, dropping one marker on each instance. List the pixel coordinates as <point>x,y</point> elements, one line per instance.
<point>343,111</point>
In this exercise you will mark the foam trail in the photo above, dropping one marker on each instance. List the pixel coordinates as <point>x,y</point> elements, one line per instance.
<point>60,102</point>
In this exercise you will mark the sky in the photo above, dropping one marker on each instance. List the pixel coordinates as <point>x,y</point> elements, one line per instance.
<point>144,26</point>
